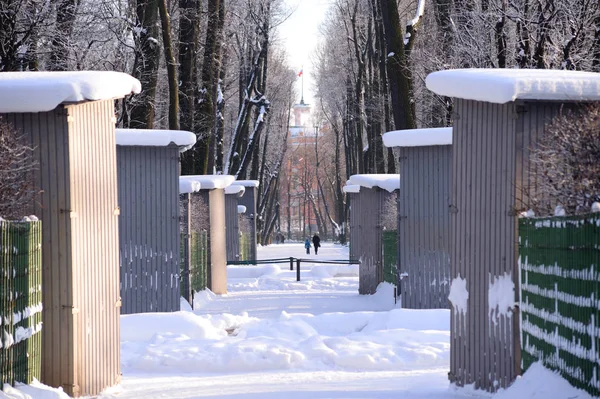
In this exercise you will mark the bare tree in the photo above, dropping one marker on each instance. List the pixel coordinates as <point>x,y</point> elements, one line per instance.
<point>66,11</point>
<point>20,24</point>
<point>565,162</point>
<point>253,101</point>
<point>17,166</point>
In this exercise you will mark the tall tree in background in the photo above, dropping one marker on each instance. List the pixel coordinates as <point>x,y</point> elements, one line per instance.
<point>66,11</point>
<point>206,110</point>
<point>165,20</point>
<point>189,26</point>
<point>145,67</point>
<point>253,101</point>
<point>397,66</point>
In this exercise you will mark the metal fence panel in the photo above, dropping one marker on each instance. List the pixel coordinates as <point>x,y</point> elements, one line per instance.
<point>559,260</point>
<point>390,256</point>
<point>20,301</point>
<point>246,246</point>
<point>199,261</point>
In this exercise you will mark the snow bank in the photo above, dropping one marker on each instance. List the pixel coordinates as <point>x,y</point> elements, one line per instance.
<point>459,295</point>
<point>389,182</point>
<point>418,137</point>
<point>539,382</point>
<point>187,186</point>
<point>251,271</point>
<point>155,138</point>
<point>351,188</point>
<point>152,326</point>
<point>235,189</point>
<point>36,390</point>
<point>504,85</point>
<point>358,341</point>
<point>326,271</point>
<point>209,182</point>
<point>44,91</point>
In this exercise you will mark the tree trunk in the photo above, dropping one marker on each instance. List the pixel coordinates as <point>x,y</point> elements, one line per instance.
<point>171,66</point>
<point>397,67</point>
<point>546,15</point>
<point>189,21</point>
<point>66,10</point>
<point>501,39</point>
<point>145,67</point>
<point>523,39</point>
<point>206,105</point>
<point>359,95</point>
<point>596,45</point>
<point>220,125</point>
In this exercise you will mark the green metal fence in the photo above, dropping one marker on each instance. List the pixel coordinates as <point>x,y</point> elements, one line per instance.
<point>20,301</point>
<point>390,256</point>
<point>194,266</point>
<point>559,260</point>
<point>245,246</point>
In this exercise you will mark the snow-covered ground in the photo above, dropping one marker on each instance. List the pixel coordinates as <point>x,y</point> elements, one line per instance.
<point>272,337</point>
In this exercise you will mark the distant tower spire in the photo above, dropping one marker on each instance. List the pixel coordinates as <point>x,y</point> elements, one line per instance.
<point>301,75</point>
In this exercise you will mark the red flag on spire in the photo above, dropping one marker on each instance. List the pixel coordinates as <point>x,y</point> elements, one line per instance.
<point>300,73</point>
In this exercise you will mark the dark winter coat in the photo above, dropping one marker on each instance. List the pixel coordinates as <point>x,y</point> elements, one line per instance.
<point>316,241</point>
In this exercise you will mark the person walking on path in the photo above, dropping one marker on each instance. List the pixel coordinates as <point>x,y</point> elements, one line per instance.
<point>307,246</point>
<point>316,243</point>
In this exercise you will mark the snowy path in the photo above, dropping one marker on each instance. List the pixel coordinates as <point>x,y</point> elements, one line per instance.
<point>274,337</point>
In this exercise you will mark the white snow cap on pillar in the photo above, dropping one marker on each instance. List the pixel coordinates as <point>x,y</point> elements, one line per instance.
<point>418,137</point>
<point>241,209</point>
<point>389,182</point>
<point>351,188</point>
<point>248,183</point>
<point>210,182</point>
<point>235,189</point>
<point>187,186</point>
<point>155,138</point>
<point>505,85</point>
<point>43,91</point>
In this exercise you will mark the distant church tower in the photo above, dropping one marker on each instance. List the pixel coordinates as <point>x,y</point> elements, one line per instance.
<point>301,114</point>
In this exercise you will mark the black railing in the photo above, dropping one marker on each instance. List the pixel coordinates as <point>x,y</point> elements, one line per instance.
<point>298,262</point>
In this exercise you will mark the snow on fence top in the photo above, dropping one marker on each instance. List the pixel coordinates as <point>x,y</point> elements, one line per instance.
<point>235,189</point>
<point>504,85</point>
<point>187,186</point>
<point>418,137</point>
<point>209,182</point>
<point>44,91</point>
<point>241,209</point>
<point>248,183</point>
<point>389,182</point>
<point>156,138</point>
<point>351,188</point>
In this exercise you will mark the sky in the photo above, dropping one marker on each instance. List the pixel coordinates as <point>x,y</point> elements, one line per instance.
<point>272,337</point>
<point>300,33</point>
